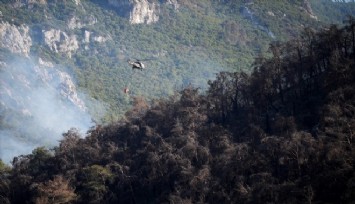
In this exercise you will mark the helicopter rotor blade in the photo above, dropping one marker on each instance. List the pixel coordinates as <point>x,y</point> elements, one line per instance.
<point>146,59</point>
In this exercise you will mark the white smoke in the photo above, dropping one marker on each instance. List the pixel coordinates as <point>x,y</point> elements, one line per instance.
<point>37,105</point>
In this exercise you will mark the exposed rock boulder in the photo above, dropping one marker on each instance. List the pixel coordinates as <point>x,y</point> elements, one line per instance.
<point>174,3</point>
<point>59,41</point>
<point>92,37</point>
<point>100,38</point>
<point>140,11</point>
<point>144,12</point>
<point>15,38</point>
<point>68,90</point>
<point>87,35</point>
<point>76,22</point>
<point>270,13</point>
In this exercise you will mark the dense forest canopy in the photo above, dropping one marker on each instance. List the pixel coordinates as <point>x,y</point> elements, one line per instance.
<point>282,134</point>
<point>81,49</point>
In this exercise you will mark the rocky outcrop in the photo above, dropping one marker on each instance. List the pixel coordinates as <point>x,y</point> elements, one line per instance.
<point>87,35</point>
<point>67,89</point>
<point>38,102</point>
<point>15,38</point>
<point>144,12</point>
<point>308,8</point>
<point>60,42</point>
<point>139,11</point>
<point>19,85</point>
<point>100,38</point>
<point>53,37</point>
<point>175,3</point>
<point>58,80</point>
<point>92,37</point>
<point>75,22</point>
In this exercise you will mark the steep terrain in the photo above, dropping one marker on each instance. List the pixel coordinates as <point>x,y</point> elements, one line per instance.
<point>78,50</point>
<point>282,134</point>
<point>38,102</point>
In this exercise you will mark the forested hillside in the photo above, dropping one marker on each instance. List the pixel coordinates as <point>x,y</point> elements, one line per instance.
<point>189,43</point>
<point>282,134</point>
<point>71,56</point>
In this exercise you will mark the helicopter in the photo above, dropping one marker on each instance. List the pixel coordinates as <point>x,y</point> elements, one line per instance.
<point>137,64</point>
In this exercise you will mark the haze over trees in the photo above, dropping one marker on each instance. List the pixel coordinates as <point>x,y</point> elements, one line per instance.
<point>282,134</point>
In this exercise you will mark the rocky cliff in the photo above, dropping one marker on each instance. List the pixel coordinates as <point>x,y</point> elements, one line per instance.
<point>144,12</point>
<point>19,80</point>
<point>141,11</point>
<point>59,41</point>
<point>79,22</point>
<point>60,81</point>
<point>38,102</point>
<point>15,38</point>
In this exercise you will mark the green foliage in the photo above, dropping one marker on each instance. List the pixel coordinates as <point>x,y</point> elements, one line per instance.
<point>4,183</point>
<point>3,167</point>
<point>95,180</point>
<point>188,45</point>
<point>281,134</point>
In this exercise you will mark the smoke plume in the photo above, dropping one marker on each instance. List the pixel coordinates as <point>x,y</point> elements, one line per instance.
<point>38,103</point>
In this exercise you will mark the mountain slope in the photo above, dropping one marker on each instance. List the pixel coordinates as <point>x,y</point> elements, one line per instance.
<point>186,43</point>
<point>283,134</point>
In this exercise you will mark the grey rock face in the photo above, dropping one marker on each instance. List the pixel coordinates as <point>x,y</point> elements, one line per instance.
<point>60,42</point>
<point>15,38</point>
<point>38,102</point>
<point>140,11</point>
<point>76,22</point>
<point>144,12</point>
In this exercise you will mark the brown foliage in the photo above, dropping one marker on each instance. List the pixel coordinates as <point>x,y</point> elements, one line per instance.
<point>283,134</point>
<point>56,191</point>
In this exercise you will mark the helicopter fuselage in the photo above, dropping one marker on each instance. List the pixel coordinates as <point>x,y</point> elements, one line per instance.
<point>136,65</point>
